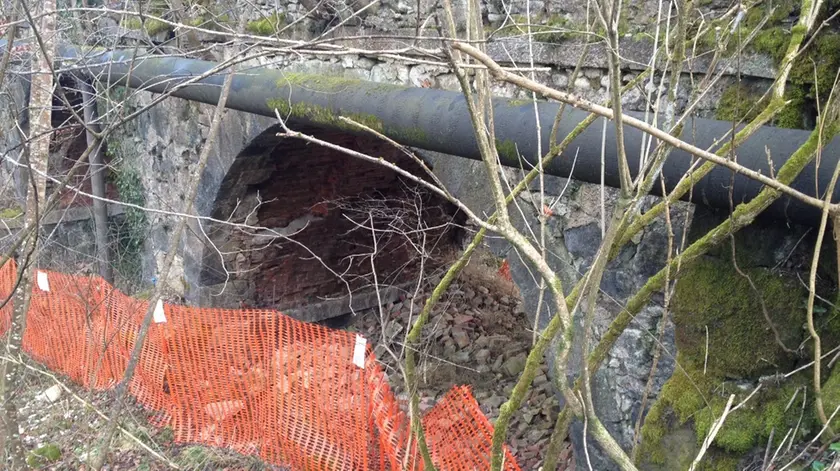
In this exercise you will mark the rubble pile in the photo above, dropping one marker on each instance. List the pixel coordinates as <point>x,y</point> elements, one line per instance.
<point>479,336</point>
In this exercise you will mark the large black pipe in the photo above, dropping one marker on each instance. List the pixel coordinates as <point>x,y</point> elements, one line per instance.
<point>438,120</point>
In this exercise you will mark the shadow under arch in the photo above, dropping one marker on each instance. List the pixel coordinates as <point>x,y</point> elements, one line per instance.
<point>335,211</point>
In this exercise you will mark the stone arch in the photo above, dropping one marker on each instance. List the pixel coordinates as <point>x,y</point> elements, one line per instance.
<point>324,200</point>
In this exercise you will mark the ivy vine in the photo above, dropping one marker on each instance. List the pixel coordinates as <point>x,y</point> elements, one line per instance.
<point>129,231</point>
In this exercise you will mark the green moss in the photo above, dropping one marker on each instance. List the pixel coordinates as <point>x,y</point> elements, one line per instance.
<point>625,28</point>
<point>317,114</point>
<point>158,8</point>
<point>10,213</point>
<point>812,73</point>
<point>779,11</point>
<point>267,26</point>
<point>520,102</point>
<point>711,294</point>
<point>332,83</point>
<point>151,26</point>
<point>681,406</point>
<point>405,135</point>
<point>130,230</point>
<point>44,455</point>
<point>739,432</point>
<point>818,65</point>
<point>132,23</point>
<point>772,41</point>
<point>831,395</point>
<point>323,116</point>
<point>653,431</point>
<point>751,425</point>
<point>680,399</point>
<point>507,148</point>
<point>550,29</point>
<point>214,22</point>
<point>704,34</point>
<point>792,116</point>
<point>805,153</point>
<point>739,104</point>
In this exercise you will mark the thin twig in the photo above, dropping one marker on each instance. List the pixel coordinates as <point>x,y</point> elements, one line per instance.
<point>712,433</point>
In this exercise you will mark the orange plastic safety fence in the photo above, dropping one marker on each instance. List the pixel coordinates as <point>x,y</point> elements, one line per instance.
<point>255,381</point>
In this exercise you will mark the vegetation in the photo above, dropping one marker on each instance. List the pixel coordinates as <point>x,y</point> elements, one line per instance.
<point>267,26</point>
<point>813,71</point>
<point>551,29</point>
<point>10,213</point>
<point>739,104</point>
<point>128,232</point>
<point>211,22</point>
<point>43,455</point>
<point>712,295</point>
<point>151,26</point>
<point>739,344</point>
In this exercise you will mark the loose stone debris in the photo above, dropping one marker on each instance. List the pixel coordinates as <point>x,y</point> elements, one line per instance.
<point>479,336</point>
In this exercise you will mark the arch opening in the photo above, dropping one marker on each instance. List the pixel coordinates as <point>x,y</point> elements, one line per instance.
<point>318,233</point>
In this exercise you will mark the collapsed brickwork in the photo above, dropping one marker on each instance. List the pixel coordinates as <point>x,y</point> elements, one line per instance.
<point>326,220</point>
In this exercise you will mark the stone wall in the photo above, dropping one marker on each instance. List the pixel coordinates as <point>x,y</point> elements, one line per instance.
<point>66,235</point>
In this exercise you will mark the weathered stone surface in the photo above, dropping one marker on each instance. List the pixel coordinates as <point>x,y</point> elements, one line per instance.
<point>514,365</point>
<point>162,145</point>
<point>498,334</point>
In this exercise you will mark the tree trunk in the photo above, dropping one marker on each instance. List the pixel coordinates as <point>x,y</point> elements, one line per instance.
<point>40,111</point>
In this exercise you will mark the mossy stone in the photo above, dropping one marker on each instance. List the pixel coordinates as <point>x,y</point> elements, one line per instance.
<point>672,413</point>
<point>43,455</point>
<point>151,26</point>
<point>711,294</point>
<point>10,213</point>
<point>547,29</point>
<point>267,26</point>
<point>831,396</point>
<point>507,149</point>
<point>813,70</point>
<point>692,401</point>
<point>739,103</point>
<point>792,116</point>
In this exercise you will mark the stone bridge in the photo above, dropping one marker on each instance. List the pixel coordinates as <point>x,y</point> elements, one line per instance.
<point>318,195</point>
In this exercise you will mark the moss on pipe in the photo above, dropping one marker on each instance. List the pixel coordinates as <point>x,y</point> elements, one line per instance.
<point>317,114</point>
<point>332,83</point>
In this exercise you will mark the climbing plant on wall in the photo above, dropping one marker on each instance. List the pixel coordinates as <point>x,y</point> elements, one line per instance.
<point>129,231</point>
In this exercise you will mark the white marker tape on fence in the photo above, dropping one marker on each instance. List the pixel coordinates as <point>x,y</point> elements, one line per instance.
<point>359,352</point>
<point>43,281</point>
<point>159,315</point>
